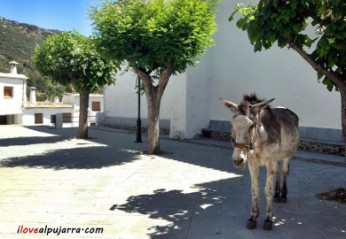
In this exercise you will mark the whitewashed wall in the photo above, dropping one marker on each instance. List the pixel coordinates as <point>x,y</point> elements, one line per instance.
<point>11,106</point>
<point>121,97</point>
<point>198,97</point>
<point>121,101</point>
<point>28,118</point>
<point>73,99</point>
<point>275,73</point>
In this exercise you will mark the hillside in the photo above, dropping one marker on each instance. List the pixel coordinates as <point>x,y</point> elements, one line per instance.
<point>17,43</point>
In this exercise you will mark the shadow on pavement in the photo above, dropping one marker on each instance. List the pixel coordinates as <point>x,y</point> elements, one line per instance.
<point>79,158</point>
<point>87,157</point>
<point>199,214</point>
<point>59,149</point>
<point>20,141</point>
<point>213,209</point>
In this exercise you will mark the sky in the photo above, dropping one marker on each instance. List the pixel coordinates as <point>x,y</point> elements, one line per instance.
<point>63,15</point>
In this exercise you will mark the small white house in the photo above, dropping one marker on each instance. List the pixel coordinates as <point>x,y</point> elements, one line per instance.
<point>12,95</point>
<point>96,105</point>
<point>42,112</point>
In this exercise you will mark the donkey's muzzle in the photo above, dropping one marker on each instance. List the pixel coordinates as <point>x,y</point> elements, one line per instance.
<point>239,163</point>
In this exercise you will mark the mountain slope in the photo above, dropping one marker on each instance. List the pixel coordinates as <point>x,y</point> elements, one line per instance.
<point>17,43</point>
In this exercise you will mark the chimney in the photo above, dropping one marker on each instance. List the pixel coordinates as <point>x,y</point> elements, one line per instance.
<point>13,67</point>
<point>32,95</point>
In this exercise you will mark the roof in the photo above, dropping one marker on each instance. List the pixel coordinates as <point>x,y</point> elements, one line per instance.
<point>13,76</point>
<point>51,105</point>
<point>77,94</point>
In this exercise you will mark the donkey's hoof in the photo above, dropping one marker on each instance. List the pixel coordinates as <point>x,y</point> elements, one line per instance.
<point>277,199</point>
<point>280,199</point>
<point>268,225</point>
<point>251,224</point>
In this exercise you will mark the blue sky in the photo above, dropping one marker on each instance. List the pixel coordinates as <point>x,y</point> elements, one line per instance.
<point>64,15</point>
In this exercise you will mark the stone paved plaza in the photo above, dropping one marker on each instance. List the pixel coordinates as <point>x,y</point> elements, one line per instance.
<point>50,180</point>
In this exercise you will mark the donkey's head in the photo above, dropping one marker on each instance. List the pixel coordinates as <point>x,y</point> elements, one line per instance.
<point>245,126</point>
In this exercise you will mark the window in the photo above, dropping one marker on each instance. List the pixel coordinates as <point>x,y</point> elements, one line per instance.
<point>38,118</point>
<point>95,106</point>
<point>66,117</point>
<point>8,92</point>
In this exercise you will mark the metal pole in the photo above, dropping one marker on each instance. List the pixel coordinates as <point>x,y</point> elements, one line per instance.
<point>139,123</point>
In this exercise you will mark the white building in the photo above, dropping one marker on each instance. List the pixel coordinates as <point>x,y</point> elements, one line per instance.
<point>96,105</point>
<point>16,109</point>
<point>41,112</point>
<point>229,70</point>
<point>36,113</point>
<point>12,95</point>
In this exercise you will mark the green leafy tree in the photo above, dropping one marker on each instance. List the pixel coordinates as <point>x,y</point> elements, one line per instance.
<point>286,21</point>
<point>71,58</point>
<point>157,38</point>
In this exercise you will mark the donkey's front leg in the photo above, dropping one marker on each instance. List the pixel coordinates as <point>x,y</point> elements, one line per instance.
<point>254,173</point>
<point>271,171</point>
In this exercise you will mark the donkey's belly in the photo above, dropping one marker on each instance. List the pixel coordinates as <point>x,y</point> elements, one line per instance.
<point>273,152</point>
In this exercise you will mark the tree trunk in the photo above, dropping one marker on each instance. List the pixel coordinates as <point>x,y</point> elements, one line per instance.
<point>153,102</point>
<point>154,94</point>
<point>83,115</point>
<point>343,114</point>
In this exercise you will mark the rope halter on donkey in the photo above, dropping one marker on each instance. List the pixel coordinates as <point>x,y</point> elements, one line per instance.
<point>247,147</point>
<point>249,110</point>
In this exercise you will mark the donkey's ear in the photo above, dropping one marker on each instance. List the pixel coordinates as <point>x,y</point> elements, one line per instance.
<point>230,105</point>
<point>256,108</point>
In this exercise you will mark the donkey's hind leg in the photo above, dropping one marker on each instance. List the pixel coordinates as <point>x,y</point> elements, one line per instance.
<point>271,170</point>
<point>285,172</point>
<point>277,184</point>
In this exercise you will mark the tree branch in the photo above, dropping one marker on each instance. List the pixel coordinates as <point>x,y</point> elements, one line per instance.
<point>145,77</point>
<point>158,90</point>
<point>165,74</point>
<point>338,82</point>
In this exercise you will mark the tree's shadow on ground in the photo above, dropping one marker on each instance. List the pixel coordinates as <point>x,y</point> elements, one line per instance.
<point>92,153</point>
<point>199,214</point>
<point>21,141</point>
<point>79,158</point>
<point>118,147</point>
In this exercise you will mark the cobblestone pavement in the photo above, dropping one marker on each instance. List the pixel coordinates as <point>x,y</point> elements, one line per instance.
<point>50,180</point>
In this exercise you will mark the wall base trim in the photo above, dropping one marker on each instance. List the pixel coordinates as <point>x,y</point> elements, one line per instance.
<point>304,144</point>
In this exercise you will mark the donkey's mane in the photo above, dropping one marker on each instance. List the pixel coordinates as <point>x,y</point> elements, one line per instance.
<point>244,106</point>
<point>253,99</point>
